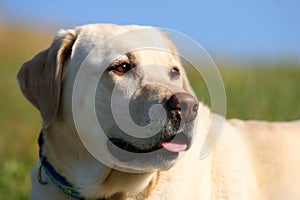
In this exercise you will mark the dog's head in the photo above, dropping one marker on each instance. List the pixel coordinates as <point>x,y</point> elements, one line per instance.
<point>143,101</point>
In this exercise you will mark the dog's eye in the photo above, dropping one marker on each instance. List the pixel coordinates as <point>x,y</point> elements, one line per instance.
<point>175,73</point>
<point>121,68</point>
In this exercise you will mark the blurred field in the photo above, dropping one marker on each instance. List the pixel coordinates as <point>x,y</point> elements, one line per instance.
<point>258,92</point>
<point>262,93</point>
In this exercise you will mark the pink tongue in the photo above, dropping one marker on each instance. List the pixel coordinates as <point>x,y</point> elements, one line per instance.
<point>174,147</point>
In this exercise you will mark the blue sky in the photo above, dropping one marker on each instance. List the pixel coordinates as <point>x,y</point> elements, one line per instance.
<point>239,29</point>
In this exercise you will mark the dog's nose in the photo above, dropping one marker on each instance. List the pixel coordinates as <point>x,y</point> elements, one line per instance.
<point>185,105</point>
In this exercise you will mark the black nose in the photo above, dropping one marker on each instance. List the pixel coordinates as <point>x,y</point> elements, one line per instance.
<point>185,105</point>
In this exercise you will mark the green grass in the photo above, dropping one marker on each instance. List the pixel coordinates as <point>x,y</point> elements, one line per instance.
<point>252,93</point>
<point>20,122</point>
<point>19,128</point>
<point>260,93</point>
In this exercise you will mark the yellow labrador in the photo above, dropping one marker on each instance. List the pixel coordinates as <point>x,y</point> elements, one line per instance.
<point>252,160</point>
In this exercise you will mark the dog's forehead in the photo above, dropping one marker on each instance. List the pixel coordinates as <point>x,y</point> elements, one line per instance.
<point>123,38</point>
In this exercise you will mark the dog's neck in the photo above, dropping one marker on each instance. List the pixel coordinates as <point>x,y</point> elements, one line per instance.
<point>83,171</point>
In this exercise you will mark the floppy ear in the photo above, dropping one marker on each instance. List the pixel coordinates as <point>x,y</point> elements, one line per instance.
<point>186,84</point>
<point>40,78</point>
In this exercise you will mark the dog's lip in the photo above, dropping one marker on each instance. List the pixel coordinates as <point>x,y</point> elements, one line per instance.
<point>127,146</point>
<point>126,152</point>
<point>179,138</point>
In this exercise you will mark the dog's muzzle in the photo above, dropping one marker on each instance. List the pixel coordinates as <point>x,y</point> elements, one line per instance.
<point>176,135</point>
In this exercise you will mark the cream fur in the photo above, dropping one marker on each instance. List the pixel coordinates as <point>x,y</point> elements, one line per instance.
<point>252,160</point>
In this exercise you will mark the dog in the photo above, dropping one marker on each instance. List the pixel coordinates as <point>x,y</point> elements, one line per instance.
<point>251,160</point>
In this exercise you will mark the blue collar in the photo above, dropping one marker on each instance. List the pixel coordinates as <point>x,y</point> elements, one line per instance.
<point>59,181</point>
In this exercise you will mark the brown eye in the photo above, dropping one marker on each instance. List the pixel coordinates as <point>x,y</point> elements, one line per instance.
<point>175,73</point>
<point>121,68</point>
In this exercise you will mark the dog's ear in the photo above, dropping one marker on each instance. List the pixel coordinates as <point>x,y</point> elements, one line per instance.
<point>186,84</point>
<point>40,78</point>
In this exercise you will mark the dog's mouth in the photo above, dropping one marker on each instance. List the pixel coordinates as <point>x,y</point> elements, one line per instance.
<point>174,143</point>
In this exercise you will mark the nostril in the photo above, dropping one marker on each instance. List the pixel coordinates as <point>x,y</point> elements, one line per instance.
<point>178,114</point>
<point>195,107</point>
<point>173,103</point>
